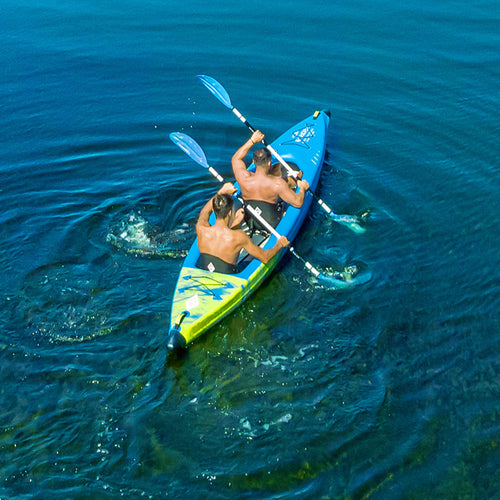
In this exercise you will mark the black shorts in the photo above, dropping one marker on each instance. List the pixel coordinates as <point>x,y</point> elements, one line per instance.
<point>270,212</point>
<point>215,265</point>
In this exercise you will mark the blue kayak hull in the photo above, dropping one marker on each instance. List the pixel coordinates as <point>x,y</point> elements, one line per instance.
<point>202,298</point>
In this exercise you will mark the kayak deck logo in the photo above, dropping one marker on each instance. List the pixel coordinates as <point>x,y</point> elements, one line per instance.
<point>302,137</point>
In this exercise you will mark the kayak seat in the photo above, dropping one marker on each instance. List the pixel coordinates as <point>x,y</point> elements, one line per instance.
<point>259,238</point>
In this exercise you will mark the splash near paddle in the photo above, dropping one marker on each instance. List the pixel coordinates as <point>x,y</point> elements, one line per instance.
<point>134,235</point>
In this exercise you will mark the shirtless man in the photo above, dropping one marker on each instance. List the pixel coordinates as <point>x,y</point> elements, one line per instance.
<point>261,188</point>
<point>219,244</point>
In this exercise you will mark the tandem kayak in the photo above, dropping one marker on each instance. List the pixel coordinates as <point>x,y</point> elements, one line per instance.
<point>203,298</point>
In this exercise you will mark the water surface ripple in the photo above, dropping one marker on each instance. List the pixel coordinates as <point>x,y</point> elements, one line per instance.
<point>385,389</point>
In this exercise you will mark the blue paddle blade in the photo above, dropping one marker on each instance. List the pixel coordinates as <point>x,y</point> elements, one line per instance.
<point>190,147</point>
<point>217,89</point>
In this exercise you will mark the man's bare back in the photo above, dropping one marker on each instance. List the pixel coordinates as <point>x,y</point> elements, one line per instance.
<point>262,185</point>
<point>225,243</point>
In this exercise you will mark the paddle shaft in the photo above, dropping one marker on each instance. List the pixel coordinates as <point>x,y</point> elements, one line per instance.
<point>273,231</point>
<point>277,235</point>
<point>216,174</point>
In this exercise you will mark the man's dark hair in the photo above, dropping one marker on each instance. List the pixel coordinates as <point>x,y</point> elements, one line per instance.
<point>261,157</point>
<point>222,205</point>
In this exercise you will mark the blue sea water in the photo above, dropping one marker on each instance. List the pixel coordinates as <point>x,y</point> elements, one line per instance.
<point>384,390</point>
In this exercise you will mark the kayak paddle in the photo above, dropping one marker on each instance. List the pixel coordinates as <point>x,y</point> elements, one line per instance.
<point>352,222</point>
<point>194,151</point>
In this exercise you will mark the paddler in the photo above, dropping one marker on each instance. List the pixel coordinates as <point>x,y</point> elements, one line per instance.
<point>263,189</point>
<point>220,243</point>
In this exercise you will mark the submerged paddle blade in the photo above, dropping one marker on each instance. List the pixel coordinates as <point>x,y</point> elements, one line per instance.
<point>349,277</point>
<point>190,147</point>
<point>350,221</point>
<point>217,89</point>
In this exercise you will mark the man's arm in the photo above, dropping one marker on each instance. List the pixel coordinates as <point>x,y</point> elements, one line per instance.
<point>264,255</point>
<point>296,199</point>
<point>238,159</point>
<point>205,214</point>
<point>207,209</point>
<point>237,219</point>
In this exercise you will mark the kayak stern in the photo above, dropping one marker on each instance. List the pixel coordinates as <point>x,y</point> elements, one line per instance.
<point>175,339</point>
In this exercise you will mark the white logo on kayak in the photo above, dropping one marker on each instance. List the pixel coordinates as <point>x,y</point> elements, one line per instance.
<point>192,302</point>
<point>302,137</point>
